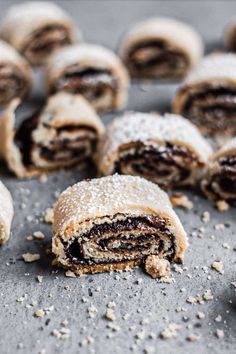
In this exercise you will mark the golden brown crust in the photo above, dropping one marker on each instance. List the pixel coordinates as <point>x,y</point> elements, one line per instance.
<point>106,201</point>
<point>61,111</point>
<point>6,213</point>
<point>82,57</point>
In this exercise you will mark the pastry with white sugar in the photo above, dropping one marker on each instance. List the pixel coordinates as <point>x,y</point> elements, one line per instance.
<point>168,150</point>
<point>220,179</point>
<point>6,213</point>
<point>160,48</point>
<point>208,95</point>
<point>114,223</point>
<point>63,134</point>
<point>92,71</point>
<point>37,28</point>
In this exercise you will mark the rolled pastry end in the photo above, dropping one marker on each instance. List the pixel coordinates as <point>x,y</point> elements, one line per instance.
<point>230,36</point>
<point>160,48</point>
<point>92,71</point>
<point>15,74</point>
<point>208,95</point>
<point>37,29</point>
<point>63,134</point>
<point>167,150</point>
<point>6,213</point>
<point>114,223</point>
<point>220,179</point>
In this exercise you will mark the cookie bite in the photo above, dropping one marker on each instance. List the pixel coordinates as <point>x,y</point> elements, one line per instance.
<point>92,71</point>
<point>219,182</point>
<point>208,95</point>
<point>15,74</point>
<point>37,28</point>
<point>167,150</point>
<point>114,223</point>
<point>6,213</point>
<point>63,134</point>
<point>160,48</point>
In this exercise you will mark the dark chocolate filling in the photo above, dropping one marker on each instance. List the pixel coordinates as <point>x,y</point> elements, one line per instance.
<point>45,40</point>
<point>154,162</point>
<point>12,83</point>
<point>214,109</point>
<point>52,152</point>
<point>151,231</point>
<point>144,57</point>
<point>225,179</point>
<point>91,83</point>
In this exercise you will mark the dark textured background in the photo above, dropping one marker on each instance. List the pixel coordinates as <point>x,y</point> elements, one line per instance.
<point>104,22</point>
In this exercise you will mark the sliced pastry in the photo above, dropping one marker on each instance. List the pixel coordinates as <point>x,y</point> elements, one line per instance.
<point>92,71</point>
<point>160,48</point>
<point>6,213</point>
<point>167,150</point>
<point>220,179</point>
<point>208,95</point>
<point>15,74</point>
<point>63,134</point>
<point>37,28</point>
<point>115,223</point>
<point>230,36</point>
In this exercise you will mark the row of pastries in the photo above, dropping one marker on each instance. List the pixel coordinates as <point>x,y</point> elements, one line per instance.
<point>115,221</point>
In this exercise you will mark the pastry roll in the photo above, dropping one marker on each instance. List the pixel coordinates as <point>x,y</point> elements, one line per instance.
<point>63,134</point>
<point>38,28</point>
<point>167,150</point>
<point>160,48</point>
<point>90,70</point>
<point>6,213</point>
<point>15,74</point>
<point>208,95</point>
<point>220,179</point>
<point>114,223</point>
<point>230,36</point>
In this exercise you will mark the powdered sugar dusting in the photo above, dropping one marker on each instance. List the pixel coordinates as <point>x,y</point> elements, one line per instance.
<point>151,127</point>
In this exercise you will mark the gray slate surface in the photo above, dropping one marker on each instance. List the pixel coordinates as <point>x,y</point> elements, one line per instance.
<point>21,332</point>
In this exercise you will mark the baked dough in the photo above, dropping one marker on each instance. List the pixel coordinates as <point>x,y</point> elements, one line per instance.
<point>15,74</point>
<point>168,150</point>
<point>63,134</point>
<point>91,70</point>
<point>208,95</point>
<point>114,223</point>
<point>6,213</point>
<point>160,48</point>
<point>220,179</point>
<point>37,28</point>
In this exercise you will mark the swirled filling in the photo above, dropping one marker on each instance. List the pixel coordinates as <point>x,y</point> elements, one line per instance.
<point>212,108</point>
<point>97,86</point>
<point>168,165</point>
<point>44,41</point>
<point>12,83</point>
<point>68,146</point>
<point>156,59</point>
<point>123,238</point>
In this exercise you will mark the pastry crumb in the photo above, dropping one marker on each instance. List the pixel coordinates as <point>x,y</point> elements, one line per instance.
<point>38,235</point>
<point>70,274</point>
<point>157,267</point>
<point>110,315</point>
<point>171,331</point>
<point>206,217</point>
<point>180,200</point>
<point>192,337</point>
<point>219,333</point>
<point>39,313</point>
<point>49,216</point>
<point>30,257</point>
<point>222,205</point>
<point>40,278</point>
<point>218,266</point>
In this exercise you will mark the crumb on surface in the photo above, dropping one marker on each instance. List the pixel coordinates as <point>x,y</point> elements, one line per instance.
<point>180,200</point>
<point>218,266</point>
<point>157,267</point>
<point>222,205</point>
<point>171,331</point>
<point>30,257</point>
